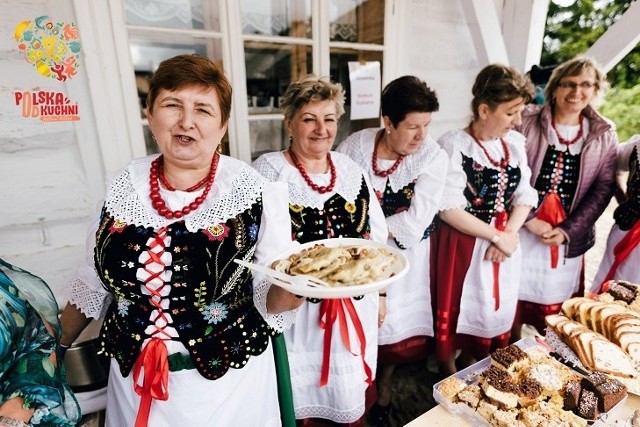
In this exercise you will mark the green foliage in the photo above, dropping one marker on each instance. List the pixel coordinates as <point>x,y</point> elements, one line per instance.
<point>571,30</point>
<point>623,107</point>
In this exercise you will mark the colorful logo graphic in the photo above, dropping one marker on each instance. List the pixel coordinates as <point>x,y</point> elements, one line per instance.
<point>52,47</point>
<point>47,106</point>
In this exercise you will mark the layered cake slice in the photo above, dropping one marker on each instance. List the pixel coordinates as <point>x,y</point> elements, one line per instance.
<point>511,358</point>
<point>499,387</point>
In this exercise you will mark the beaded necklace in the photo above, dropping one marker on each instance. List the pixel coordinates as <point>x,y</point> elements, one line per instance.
<point>561,139</point>
<point>307,178</point>
<point>502,163</point>
<point>158,202</point>
<point>374,162</point>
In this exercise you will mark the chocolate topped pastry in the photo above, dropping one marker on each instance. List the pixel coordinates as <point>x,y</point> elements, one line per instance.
<point>609,393</point>
<point>529,391</point>
<point>594,379</point>
<point>499,387</point>
<point>511,357</point>
<point>588,405</point>
<point>619,291</point>
<point>571,395</point>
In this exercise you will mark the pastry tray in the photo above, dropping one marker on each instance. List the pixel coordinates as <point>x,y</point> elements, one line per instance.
<point>471,375</point>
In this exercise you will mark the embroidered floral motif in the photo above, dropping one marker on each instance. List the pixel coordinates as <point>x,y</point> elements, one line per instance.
<point>253,232</point>
<point>217,232</point>
<point>350,207</point>
<point>117,226</point>
<point>215,312</point>
<point>123,306</point>
<point>296,208</point>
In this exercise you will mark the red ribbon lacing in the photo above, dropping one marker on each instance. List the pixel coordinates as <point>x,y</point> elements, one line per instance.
<point>501,224</point>
<point>623,249</point>
<point>332,310</point>
<point>154,358</point>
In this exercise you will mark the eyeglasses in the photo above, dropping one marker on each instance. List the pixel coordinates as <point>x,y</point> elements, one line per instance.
<point>573,85</point>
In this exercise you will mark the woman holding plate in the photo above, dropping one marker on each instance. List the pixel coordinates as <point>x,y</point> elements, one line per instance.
<point>332,347</point>
<point>187,329</point>
<point>407,169</point>
<point>487,199</point>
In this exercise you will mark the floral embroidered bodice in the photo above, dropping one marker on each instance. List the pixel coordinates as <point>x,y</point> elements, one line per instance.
<point>559,174</point>
<point>628,212</point>
<point>484,185</point>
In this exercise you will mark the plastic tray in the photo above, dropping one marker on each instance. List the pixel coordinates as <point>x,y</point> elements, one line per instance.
<point>472,374</point>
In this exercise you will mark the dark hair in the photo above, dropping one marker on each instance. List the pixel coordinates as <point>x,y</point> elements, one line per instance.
<point>405,95</point>
<point>311,88</point>
<point>191,70</point>
<point>497,84</point>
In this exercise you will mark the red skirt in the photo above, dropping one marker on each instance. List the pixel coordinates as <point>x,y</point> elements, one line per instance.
<point>450,259</point>
<point>411,350</point>
<point>533,313</point>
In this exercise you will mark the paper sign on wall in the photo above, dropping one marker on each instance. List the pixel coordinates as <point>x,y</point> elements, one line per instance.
<point>365,89</point>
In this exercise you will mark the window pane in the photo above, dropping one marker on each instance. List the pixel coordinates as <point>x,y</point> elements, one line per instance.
<point>182,14</point>
<point>267,136</point>
<point>357,21</point>
<point>270,68</point>
<point>340,73</point>
<point>277,17</point>
<point>147,54</point>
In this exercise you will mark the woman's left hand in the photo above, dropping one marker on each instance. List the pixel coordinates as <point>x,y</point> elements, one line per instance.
<point>554,237</point>
<point>382,310</point>
<point>494,254</point>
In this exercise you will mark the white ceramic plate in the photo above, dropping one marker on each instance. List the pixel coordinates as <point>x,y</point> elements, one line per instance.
<point>398,270</point>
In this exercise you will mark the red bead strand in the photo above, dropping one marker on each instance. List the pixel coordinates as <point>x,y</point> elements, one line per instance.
<point>497,163</point>
<point>158,202</point>
<point>307,178</point>
<point>561,139</point>
<point>387,172</point>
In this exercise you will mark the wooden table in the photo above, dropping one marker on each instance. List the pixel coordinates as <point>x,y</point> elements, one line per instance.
<point>440,417</point>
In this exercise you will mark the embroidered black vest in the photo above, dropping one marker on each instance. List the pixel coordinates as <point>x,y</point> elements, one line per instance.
<point>210,303</point>
<point>628,212</point>
<point>482,188</point>
<point>396,202</point>
<point>568,184</point>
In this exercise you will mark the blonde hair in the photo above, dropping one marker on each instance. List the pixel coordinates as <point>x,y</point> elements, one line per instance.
<point>311,88</point>
<point>574,67</point>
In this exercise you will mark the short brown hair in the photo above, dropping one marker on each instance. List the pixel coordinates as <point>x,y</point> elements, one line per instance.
<point>311,88</point>
<point>191,70</point>
<point>497,84</point>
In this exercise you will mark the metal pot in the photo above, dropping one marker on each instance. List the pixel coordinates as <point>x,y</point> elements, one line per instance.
<point>86,370</point>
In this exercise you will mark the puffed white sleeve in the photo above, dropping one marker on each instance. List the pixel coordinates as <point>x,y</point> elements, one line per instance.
<point>85,288</point>
<point>456,180</point>
<point>274,237</point>
<point>408,227</point>
<point>624,152</point>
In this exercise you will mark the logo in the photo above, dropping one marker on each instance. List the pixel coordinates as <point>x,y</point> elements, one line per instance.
<point>52,47</point>
<point>47,106</point>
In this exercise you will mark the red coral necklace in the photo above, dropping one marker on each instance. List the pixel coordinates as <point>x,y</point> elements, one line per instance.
<point>502,163</point>
<point>561,139</point>
<point>307,178</point>
<point>158,203</point>
<point>374,162</point>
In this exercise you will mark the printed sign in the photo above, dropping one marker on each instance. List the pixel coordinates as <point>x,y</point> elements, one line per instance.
<point>47,106</point>
<point>365,90</point>
<point>53,48</point>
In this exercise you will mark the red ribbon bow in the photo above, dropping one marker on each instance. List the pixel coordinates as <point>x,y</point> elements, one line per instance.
<point>332,310</point>
<point>154,360</point>
<point>623,249</point>
<point>551,211</point>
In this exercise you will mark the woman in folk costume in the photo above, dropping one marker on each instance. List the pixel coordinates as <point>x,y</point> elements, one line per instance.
<point>407,169</point>
<point>332,347</point>
<point>476,256</point>
<point>571,151</point>
<point>621,258</point>
<point>187,329</point>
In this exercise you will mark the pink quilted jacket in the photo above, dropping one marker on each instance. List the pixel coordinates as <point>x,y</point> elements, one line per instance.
<point>596,181</point>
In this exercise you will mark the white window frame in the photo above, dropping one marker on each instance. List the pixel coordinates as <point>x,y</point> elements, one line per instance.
<point>113,88</point>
